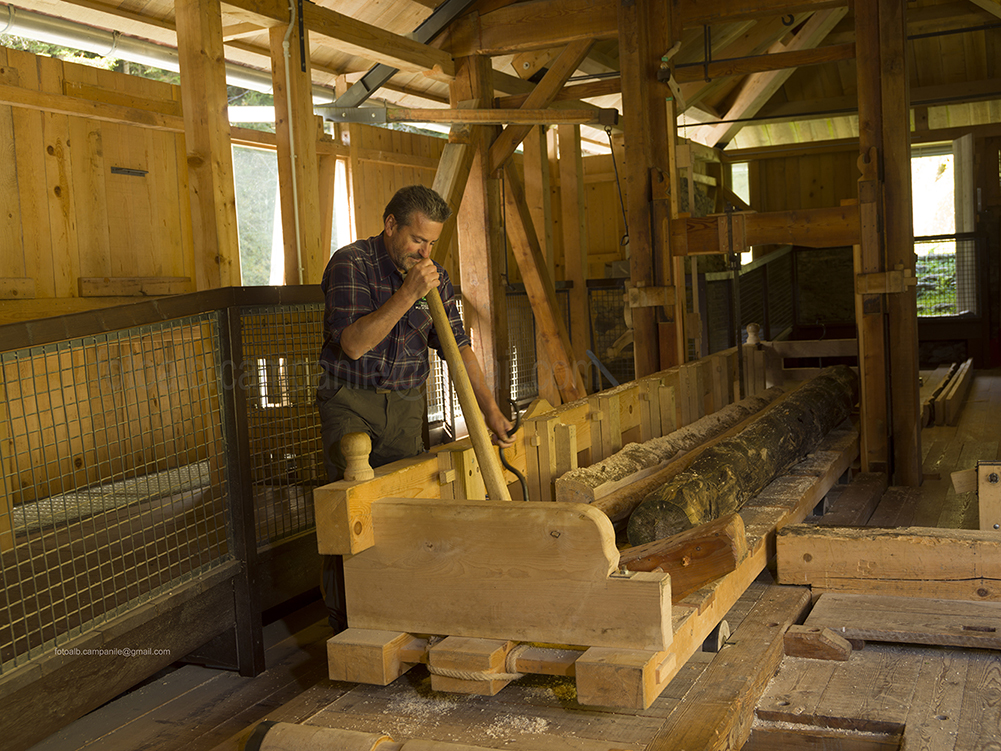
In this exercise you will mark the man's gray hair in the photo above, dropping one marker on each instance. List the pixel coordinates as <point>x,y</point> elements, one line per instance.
<point>417,199</point>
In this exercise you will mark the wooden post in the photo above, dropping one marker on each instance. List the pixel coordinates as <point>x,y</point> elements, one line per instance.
<point>538,199</point>
<point>206,138</point>
<point>574,237</point>
<point>869,309</point>
<point>644,34</point>
<point>899,227</point>
<point>298,175</point>
<point>480,240</point>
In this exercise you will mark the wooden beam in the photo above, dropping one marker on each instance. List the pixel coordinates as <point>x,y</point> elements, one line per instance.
<point>644,27</point>
<point>353,37</point>
<point>481,241</point>
<point>574,231</point>
<point>533,25</point>
<point>699,12</point>
<point>296,133</point>
<point>206,138</point>
<point>991,6</point>
<point>602,87</point>
<point>539,183</point>
<point>764,63</point>
<point>953,564</point>
<point>559,71</point>
<point>899,226</point>
<point>760,87</point>
<point>521,117</point>
<point>551,330</point>
<point>718,710</point>
<point>450,183</point>
<point>134,286</point>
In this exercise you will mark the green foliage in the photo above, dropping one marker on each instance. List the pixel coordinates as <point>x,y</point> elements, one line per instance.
<point>256,178</point>
<point>936,288</point>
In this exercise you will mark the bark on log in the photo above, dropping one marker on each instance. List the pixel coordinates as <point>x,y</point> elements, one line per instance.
<point>587,484</point>
<point>725,476</point>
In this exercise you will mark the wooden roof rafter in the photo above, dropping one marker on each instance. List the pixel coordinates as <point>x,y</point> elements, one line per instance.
<point>758,88</point>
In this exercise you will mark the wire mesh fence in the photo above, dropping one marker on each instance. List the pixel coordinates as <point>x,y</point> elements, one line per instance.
<point>113,483</point>
<point>281,347</point>
<point>946,272</point>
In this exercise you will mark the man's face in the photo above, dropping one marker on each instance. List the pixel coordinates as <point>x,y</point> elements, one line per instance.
<point>409,243</point>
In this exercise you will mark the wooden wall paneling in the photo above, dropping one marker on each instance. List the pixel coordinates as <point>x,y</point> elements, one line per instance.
<point>29,141</point>
<point>88,170</point>
<point>12,261</point>
<point>210,159</point>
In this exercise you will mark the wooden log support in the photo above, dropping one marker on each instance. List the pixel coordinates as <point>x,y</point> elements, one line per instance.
<point>375,657</point>
<point>724,477</point>
<point>471,666</point>
<point>693,558</point>
<point>481,569</point>
<point>950,564</point>
<point>816,643</point>
<point>623,677</point>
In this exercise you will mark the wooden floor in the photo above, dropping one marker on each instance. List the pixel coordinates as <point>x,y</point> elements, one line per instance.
<point>201,709</point>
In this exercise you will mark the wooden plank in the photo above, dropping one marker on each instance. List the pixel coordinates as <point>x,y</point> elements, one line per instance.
<point>897,508</point>
<point>909,620</point>
<point>431,556</point>
<point>719,709</point>
<point>949,402</point>
<point>470,656</point>
<point>13,288</point>
<point>953,564</point>
<point>852,505</point>
<point>133,286</point>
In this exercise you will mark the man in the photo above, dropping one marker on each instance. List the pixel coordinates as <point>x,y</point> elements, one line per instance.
<point>377,330</point>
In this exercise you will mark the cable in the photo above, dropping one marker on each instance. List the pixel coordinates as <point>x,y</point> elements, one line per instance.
<point>625,222</point>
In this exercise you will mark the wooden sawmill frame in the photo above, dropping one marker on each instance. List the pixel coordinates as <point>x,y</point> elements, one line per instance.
<point>428,559</point>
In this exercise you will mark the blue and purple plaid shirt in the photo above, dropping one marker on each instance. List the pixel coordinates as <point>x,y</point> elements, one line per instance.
<point>360,278</point>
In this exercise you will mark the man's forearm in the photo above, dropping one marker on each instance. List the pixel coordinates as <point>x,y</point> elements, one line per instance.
<point>362,335</point>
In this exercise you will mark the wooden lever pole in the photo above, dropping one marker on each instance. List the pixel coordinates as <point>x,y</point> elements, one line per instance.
<point>493,475</point>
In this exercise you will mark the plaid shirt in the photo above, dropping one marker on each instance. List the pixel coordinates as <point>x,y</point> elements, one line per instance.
<point>360,278</point>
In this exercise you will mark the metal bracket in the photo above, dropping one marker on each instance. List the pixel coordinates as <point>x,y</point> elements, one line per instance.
<point>885,282</point>
<point>989,494</point>
<point>650,297</point>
